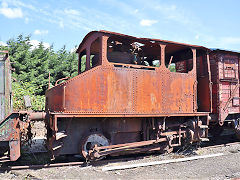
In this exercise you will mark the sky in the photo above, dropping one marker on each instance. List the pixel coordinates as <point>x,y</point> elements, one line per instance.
<point>210,23</point>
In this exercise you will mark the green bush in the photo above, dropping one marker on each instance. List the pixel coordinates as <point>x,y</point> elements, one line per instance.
<point>31,67</point>
<point>22,89</point>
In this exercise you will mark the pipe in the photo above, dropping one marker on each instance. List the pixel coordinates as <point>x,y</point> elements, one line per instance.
<point>37,116</point>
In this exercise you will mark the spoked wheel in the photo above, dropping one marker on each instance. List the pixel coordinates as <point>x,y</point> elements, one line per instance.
<point>90,141</point>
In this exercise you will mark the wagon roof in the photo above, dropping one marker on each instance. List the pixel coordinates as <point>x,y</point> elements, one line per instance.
<point>135,38</point>
<point>225,50</point>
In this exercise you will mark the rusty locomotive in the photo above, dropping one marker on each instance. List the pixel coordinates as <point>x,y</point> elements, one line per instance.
<point>136,95</point>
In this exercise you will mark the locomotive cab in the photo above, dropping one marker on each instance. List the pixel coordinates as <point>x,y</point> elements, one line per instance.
<point>148,54</point>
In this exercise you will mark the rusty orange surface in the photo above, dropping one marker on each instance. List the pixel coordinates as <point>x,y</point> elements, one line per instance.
<point>107,89</point>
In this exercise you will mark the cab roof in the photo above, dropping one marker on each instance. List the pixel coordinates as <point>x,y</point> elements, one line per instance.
<point>132,38</point>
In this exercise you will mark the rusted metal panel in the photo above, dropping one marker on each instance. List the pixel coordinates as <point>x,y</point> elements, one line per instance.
<point>56,103</point>
<point>5,85</point>
<point>15,152</point>
<point>10,132</point>
<point>164,92</point>
<point>2,106</point>
<point>203,94</point>
<point>204,86</point>
<point>122,90</point>
<point>69,115</point>
<point>148,98</point>
<point>100,90</point>
<point>2,90</point>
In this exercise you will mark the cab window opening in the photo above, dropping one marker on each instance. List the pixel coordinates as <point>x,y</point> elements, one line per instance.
<point>126,51</point>
<point>95,53</point>
<point>94,56</point>
<point>178,58</point>
<point>82,63</point>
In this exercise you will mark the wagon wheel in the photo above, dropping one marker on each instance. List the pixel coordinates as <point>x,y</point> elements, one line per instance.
<point>216,130</point>
<point>237,133</point>
<point>237,128</point>
<point>90,141</point>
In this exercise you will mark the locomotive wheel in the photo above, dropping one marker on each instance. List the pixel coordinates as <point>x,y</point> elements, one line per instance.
<point>90,141</point>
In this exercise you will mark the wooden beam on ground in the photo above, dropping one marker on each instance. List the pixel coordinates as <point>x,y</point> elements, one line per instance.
<point>111,168</point>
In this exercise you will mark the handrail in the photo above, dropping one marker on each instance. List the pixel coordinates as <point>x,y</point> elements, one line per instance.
<point>56,83</point>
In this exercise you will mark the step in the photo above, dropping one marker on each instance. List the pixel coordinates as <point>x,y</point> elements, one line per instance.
<point>57,147</point>
<point>203,126</point>
<point>60,135</point>
<point>204,139</point>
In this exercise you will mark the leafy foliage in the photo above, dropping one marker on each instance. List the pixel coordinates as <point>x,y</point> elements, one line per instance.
<point>31,69</point>
<point>22,89</point>
<point>172,67</point>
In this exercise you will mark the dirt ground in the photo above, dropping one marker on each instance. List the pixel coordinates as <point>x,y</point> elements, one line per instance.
<point>222,167</point>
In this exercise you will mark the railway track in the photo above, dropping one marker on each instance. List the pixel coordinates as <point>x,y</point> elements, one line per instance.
<point>7,165</point>
<point>222,145</point>
<point>62,164</point>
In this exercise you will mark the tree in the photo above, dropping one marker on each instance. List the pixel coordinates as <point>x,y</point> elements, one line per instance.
<point>32,66</point>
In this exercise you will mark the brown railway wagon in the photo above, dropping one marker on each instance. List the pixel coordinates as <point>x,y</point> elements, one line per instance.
<point>133,94</point>
<point>225,94</point>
